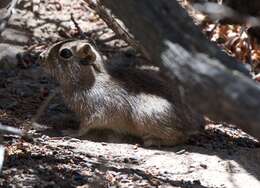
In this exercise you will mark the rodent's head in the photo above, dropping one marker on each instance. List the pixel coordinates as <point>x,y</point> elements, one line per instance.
<point>73,62</point>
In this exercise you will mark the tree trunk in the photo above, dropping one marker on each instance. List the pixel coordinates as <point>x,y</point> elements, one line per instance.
<point>214,83</point>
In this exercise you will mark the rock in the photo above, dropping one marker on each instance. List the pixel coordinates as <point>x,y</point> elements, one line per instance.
<point>7,103</point>
<point>8,55</point>
<point>5,74</point>
<point>15,36</point>
<point>183,170</point>
<point>23,91</point>
<point>24,88</point>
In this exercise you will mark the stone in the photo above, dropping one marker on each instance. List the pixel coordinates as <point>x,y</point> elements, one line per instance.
<point>15,36</point>
<point>7,103</point>
<point>8,54</point>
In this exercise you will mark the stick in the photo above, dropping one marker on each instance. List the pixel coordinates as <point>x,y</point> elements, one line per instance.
<point>9,130</point>
<point>81,33</point>
<point>107,17</point>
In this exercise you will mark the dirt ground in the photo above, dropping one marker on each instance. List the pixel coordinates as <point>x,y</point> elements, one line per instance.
<point>223,156</point>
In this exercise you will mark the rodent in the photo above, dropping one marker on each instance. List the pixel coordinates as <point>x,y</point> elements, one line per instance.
<point>117,96</point>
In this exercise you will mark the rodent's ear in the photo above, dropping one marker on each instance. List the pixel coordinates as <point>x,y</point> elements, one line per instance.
<point>85,51</point>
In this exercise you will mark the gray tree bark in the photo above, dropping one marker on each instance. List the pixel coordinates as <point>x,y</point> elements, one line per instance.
<point>215,84</point>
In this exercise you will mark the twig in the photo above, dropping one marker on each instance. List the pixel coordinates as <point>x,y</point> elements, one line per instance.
<point>81,33</point>
<point>9,130</point>
<point>106,16</point>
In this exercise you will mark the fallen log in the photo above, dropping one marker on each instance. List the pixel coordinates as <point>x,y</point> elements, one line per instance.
<point>213,82</point>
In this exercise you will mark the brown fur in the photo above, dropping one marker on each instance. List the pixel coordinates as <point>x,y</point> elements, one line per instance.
<point>118,96</point>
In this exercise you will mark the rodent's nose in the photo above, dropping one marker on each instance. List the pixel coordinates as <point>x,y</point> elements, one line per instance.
<point>86,51</point>
<point>83,49</point>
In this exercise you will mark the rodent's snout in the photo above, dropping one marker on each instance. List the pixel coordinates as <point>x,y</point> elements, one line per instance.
<point>86,52</point>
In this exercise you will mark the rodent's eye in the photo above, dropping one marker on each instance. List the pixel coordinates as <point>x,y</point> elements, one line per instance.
<point>66,53</point>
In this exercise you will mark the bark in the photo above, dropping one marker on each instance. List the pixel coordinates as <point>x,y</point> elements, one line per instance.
<point>214,83</point>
